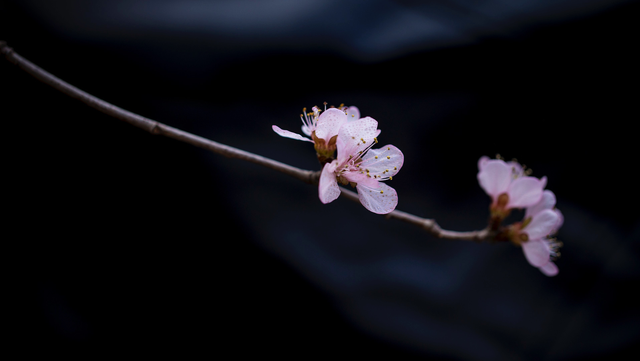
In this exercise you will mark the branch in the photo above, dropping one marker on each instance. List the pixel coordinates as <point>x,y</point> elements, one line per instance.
<point>158,128</point>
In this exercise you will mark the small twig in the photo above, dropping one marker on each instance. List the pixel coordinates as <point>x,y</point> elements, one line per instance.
<point>155,127</point>
<point>427,224</point>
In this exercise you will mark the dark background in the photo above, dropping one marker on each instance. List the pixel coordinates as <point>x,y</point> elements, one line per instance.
<point>125,241</point>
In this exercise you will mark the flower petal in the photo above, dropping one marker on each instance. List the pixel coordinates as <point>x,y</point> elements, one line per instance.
<point>382,163</point>
<point>494,177</point>
<point>355,137</point>
<point>516,168</point>
<point>482,161</point>
<point>353,113</point>
<point>550,269</point>
<point>328,189</point>
<point>288,134</point>
<point>525,191</point>
<point>547,201</point>
<point>542,224</point>
<point>537,252</point>
<point>382,200</point>
<point>329,123</point>
<point>361,178</point>
<point>560,221</point>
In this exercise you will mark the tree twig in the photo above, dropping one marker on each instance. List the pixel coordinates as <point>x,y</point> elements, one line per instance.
<point>158,128</point>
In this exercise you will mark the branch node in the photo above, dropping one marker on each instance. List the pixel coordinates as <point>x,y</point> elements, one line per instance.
<point>156,129</point>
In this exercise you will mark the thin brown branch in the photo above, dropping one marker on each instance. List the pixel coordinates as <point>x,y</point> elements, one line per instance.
<point>158,128</point>
<point>427,224</point>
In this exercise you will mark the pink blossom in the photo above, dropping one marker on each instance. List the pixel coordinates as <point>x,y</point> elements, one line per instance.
<point>541,221</point>
<point>508,185</point>
<point>365,168</point>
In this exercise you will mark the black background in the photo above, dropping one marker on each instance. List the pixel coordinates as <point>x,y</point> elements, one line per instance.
<point>129,241</point>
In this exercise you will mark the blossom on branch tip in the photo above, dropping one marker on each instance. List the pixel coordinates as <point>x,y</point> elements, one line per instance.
<point>365,168</point>
<point>508,185</point>
<point>535,234</point>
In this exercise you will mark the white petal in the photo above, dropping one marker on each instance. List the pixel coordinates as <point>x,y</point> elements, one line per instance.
<point>542,224</point>
<point>328,189</point>
<point>537,252</point>
<point>329,123</point>
<point>288,134</point>
<point>525,191</point>
<point>495,177</point>
<point>383,162</point>
<point>548,201</point>
<point>381,200</point>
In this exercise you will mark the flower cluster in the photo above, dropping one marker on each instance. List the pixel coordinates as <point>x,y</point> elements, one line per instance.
<point>510,186</point>
<point>341,129</point>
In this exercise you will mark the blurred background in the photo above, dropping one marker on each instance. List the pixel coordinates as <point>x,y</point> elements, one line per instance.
<point>132,242</point>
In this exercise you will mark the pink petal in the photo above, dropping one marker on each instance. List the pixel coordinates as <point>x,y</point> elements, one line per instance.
<point>550,269</point>
<point>495,177</point>
<point>288,134</point>
<point>547,201</point>
<point>560,221</point>
<point>382,200</point>
<point>328,189</point>
<point>353,113</point>
<point>524,192</point>
<point>387,164</point>
<point>356,137</point>
<point>542,224</point>
<point>361,178</point>
<point>329,123</point>
<point>482,161</point>
<point>537,252</point>
<point>516,168</point>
